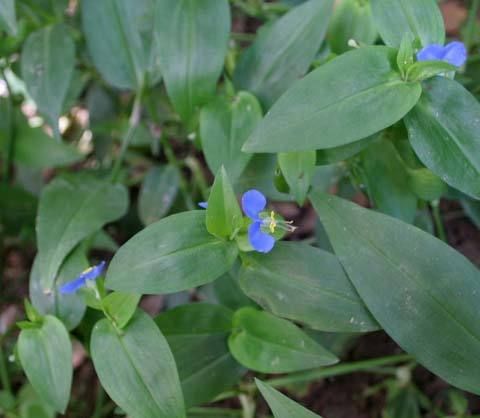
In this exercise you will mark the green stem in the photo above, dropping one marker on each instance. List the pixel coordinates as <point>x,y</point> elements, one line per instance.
<point>10,132</point>
<point>471,23</point>
<point>172,160</point>
<point>437,218</point>
<point>212,412</point>
<point>248,406</point>
<point>99,401</point>
<point>3,372</point>
<point>132,125</point>
<point>338,370</point>
<point>194,166</point>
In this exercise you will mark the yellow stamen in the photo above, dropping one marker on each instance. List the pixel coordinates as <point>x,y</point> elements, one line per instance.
<point>87,270</point>
<point>273,222</point>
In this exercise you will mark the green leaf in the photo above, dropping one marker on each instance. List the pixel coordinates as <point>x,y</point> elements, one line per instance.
<point>68,308</point>
<point>228,292</point>
<point>429,287</point>
<point>305,284</point>
<point>137,368</point>
<point>352,19</point>
<point>8,17</point>
<point>197,334</point>
<point>284,51</point>
<point>223,214</point>
<point>192,41</point>
<point>426,185</point>
<point>127,54</point>
<point>34,148</point>
<point>47,81</point>
<point>267,344</point>
<point>46,356</point>
<point>427,69</point>
<point>298,168</point>
<point>421,18</point>
<point>158,193</point>
<point>121,307</point>
<point>174,254</point>
<point>60,227</point>
<point>281,406</point>
<point>443,130</point>
<point>343,152</point>
<point>472,209</point>
<point>225,125</point>
<point>323,111</point>
<point>17,209</point>
<point>387,181</point>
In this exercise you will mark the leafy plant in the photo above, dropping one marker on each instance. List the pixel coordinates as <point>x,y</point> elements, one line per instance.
<point>159,144</point>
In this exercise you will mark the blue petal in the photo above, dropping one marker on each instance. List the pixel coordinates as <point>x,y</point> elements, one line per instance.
<point>455,53</point>
<point>90,274</point>
<point>260,241</point>
<point>253,202</point>
<point>203,205</point>
<point>433,52</point>
<point>72,286</point>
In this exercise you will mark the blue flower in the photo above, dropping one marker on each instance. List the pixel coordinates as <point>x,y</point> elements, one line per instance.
<point>203,205</point>
<point>261,228</point>
<point>90,274</point>
<point>454,53</point>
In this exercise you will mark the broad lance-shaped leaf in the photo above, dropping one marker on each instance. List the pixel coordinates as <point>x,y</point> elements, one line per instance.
<point>68,308</point>
<point>352,19</point>
<point>46,356</point>
<point>281,406</point>
<point>197,335</point>
<point>225,125</point>
<point>334,104</point>
<point>72,208</point>
<point>422,18</point>
<point>267,344</point>
<point>174,254</point>
<point>305,284</point>
<point>126,55</point>
<point>8,17</point>
<point>192,39</point>
<point>283,52</point>
<point>420,290</point>
<point>137,368</point>
<point>443,129</point>
<point>47,81</point>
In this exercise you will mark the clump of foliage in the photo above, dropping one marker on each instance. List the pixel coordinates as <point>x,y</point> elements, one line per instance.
<point>139,104</point>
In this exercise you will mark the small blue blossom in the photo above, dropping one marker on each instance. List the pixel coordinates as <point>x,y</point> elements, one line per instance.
<point>90,274</point>
<point>253,203</point>
<point>203,205</point>
<point>454,53</point>
<point>261,229</point>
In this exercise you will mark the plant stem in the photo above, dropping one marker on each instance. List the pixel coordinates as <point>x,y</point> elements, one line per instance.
<point>100,399</point>
<point>132,125</point>
<point>471,21</point>
<point>437,218</point>
<point>194,166</point>
<point>338,370</point>
<point>212,412</point>
<point>3,371</point>
<point>173,160</point>
<point>248,406</point>
<point>10,133</point>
